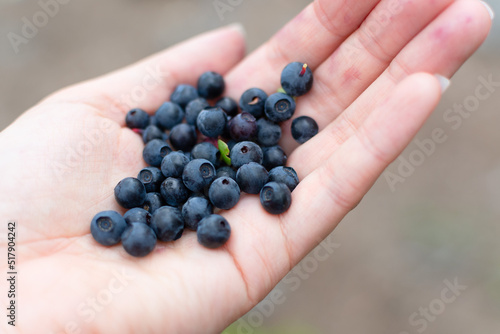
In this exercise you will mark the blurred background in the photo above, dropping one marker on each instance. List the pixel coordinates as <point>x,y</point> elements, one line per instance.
<point>418,256</point>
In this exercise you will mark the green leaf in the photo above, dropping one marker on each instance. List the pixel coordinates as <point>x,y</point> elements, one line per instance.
<point>224,152</point>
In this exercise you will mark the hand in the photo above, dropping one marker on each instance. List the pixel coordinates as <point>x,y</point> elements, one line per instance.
<point>63,157</point>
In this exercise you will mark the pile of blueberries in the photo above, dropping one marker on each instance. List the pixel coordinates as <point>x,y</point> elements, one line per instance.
<point>202,152</point>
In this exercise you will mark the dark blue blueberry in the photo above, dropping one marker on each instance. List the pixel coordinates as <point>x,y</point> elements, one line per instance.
<point>211,122</point>
<point>152,178</point>
<point>139,239</point>
<point>153,202</point>
<point>268,133</point>
<point>183,137</point>
<point>280,107</point>
<point>194,108</point>
<point>168,223</point>
<point>243,127</point>
<point>275,197</point>
<point>198,174</point>
<point>226,171</point>
<point>245,152</point>
<point>211,85</point>
<point>253,101</point>
<point>286,175</point>
<point>137,215</point>
<point>152,132</point>
<point>224,193</point>
<point>251,177</point>
<point>183,94</point>
<point>229,106</point>
<point>304,128</point>
<point>169,115</point>
<point>296,79</point>
<point>194,210</point>
<point>130,193</point>
<point>206,151</point>
<point>174,191</point>
<point>107,227</point>
<point>137,119</point>
<point>155,151</point>
<point>274,156</point>
<point>213,231</point>
<point>173,164</point>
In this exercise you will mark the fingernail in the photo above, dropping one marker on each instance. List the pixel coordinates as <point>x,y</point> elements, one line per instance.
<point>239,28</point>
<point>443,82</point>
<point>489,9</point>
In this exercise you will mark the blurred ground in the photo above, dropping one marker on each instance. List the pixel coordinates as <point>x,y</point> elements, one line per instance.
<point>395,254</point>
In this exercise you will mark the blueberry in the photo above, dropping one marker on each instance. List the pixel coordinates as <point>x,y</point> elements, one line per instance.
<point>274,156</point>
<point>168,224</point>
<point>139,239</point>
<point>286,175</point>
<point>251,177</point>
<point>296,79</point>
<point>304,128</point>
<point>155,151</point>
<point>107,227</point>
<point>213,231</point>
<point>211,122</point>
<point>229,106</point>
<point>279,107</point>
<point>152,132</point>
<point>206,151</point>
<point>137,215</point>
<point>183,137</point>
<point>224,193</point>
<point>153,202</point>
<point>245,152</point>
<point>130,193</point>
<point>275,197</point>
<point>268,133</point>
<point>243,127</point>
<point>174,191</point>
<point>183,94</point>
<point>226,171</point>
<point>137,119</point>
<point>169,115</point>
<point>193,109</point>
<point>253,101</point>
<point>152,178</point>
<point>194,210</point>
<point>173,164</point>
<point>198,174</point>
<point>211,85</point>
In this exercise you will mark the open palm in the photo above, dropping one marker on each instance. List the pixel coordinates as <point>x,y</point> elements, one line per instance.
<point>62,159</point>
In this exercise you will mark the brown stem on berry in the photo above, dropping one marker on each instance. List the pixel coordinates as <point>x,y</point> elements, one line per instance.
<point>254,101</point>
<point>304,68</point>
